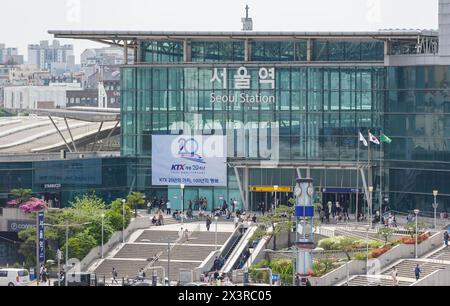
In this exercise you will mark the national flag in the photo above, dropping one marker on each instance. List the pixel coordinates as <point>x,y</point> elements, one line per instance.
<point>363,140</point>
<point>373,139</point>
<point>385,139</point>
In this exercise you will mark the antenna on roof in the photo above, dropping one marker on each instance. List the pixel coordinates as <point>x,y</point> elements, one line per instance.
<point>247,23</point>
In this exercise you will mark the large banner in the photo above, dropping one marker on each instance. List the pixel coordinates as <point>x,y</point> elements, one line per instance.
<point>189,160</point>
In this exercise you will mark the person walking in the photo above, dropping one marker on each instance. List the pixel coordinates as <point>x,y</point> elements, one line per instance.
<point>169,207</point>
<point>114,276</point>
<point>394,275</point>
<point>236,221</point>
<point>208,222</point>
<point>417,272</point>
<point>446,238</point>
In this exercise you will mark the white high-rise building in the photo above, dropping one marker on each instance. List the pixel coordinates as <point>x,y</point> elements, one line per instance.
<point>45,56</point>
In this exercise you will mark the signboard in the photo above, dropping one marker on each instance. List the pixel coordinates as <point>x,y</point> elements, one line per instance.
<point>304,211</point>
<point>341,190</point>
<point>270,189</point>
<point>275,278</point>
<point>18,225</point>
<point>242,80</point>
<point>52,186</point>
<point>41,237</point>
<point>189,160</point>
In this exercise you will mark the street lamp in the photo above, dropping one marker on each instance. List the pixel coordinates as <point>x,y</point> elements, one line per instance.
<point>216,218</point>
<point>370,203</point>
<point>182,196</point>
<point>67,225</point>
<point>103,226</point>
<point>123,220</point>
<point>276,189</point>
<point>416,212</point>
<point>435,206</point>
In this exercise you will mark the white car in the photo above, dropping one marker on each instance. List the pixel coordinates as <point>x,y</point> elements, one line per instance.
<point>14,277</point>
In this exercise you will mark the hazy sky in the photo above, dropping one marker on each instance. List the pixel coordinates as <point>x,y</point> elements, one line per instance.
<point>24,21</point>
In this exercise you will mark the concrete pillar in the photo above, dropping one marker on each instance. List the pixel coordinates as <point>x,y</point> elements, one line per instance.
<point>187,51</point>
<point>125,52</point>
<point>444,27</point>
<point>309,50</point>
<point>248,50</point>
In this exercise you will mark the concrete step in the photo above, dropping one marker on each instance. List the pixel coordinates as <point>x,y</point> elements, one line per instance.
<point>364,281</point>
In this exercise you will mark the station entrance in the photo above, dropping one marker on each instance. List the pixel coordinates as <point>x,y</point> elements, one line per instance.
<point>266,195</point>
<point>346,197</point>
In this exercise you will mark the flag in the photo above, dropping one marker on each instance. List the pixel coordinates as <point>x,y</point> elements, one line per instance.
<point>362,139</point>
<point>373,139</point>
<point>385,139</point>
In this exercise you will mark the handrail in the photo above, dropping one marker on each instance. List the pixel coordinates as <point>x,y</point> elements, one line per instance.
<point>240,247</point>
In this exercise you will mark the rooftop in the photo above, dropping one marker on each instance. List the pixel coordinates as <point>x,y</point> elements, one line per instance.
<point>114,37</point>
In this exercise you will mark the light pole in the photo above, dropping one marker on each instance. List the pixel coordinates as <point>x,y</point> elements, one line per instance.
<point>103,226</point>
<point>276,190</point>
<point>59,256</point>
<point>435,206</point>
<point>66,226</point>
<point>168,262</point>
<point>123,220</point>
<point>416,212</point>
<point>182,196</point>
<point>216,218</point>
<point>370,204</point>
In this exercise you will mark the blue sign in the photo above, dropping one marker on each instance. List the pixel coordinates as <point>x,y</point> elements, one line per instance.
<point>304,211</point>
<point>41,237</point>
<point>275,278</point>
<point>341,190</point>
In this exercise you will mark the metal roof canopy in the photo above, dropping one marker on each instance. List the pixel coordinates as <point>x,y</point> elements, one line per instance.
<point>316,165</point>
<point>87,116</point>
<point>117,37</point>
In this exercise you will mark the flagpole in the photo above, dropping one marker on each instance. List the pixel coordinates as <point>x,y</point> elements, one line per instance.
<point>369,177</point>
<point>381,175</point>
<point>357,175</point>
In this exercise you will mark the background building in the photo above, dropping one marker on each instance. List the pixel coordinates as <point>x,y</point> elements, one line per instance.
<point>56,58</point>
<point>38,97</point>
<point>10,56</point>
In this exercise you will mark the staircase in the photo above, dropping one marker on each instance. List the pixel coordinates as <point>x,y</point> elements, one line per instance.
<point>438,259</point>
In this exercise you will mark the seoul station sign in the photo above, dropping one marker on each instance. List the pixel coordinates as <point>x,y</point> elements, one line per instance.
<point>242,80</point>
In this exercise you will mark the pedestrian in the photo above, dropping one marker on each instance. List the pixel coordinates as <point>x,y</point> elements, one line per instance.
<point>417,271</point>
<point>236,221</point>
<point>208,222</point>
<point>114,276</point>
<point>169,207</point>
<point>446,238</point>
<point>263,208</point>
<point>233,205</point>
<point>161,219</point>
<point>254,218</point>
<point>394,274</point>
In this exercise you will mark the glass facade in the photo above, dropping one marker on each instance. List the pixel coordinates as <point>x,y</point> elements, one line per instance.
<point>107,177</point>
<point>324,92</point>
<point>318,111</point>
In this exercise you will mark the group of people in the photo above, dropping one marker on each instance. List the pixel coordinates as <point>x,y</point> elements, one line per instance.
<point>43,274</point>
<point>335,210</point>
<point>158,219</point>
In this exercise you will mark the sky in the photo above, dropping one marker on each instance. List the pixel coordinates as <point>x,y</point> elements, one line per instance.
<point>23,21</point>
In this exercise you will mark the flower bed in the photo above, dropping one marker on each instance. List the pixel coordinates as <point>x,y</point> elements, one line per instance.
<point>409,240</point>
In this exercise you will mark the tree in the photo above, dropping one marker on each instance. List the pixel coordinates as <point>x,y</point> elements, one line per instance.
<point>115,214</point>
<point>81,245</point>
<point>135,199</point>
<point>386,233</point>
<point>20,196</point>
<point>280,221</point>
<point>411,228</point>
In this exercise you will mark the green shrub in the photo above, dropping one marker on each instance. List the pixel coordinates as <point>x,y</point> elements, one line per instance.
<point>360,256</point>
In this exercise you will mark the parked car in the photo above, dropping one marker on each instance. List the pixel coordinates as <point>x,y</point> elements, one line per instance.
<point>14,277</point>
